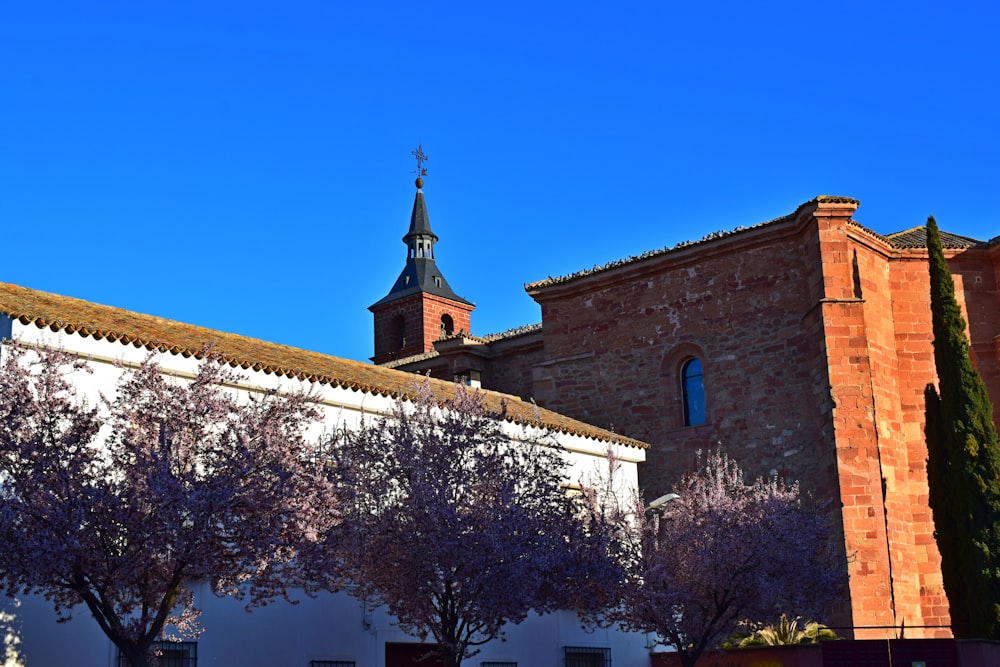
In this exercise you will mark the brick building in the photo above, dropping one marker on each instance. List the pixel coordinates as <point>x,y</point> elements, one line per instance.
<point>801,345</point>
<point>421,306</point>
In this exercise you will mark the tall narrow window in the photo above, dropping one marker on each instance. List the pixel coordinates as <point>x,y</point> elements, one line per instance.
<point>447,326</point>
<point>693,387</point>
<point>397,331</point>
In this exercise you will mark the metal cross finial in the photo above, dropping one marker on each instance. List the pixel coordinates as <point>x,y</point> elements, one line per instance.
<point>421,158</point>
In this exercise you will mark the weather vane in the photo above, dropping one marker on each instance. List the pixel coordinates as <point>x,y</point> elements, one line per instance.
<point>421,158</point>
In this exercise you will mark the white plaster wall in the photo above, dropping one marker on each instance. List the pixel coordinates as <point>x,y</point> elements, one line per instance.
<point>330,626</point>
<point>342,407</point>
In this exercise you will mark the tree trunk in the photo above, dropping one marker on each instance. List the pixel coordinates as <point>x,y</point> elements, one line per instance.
<point>134,655</point>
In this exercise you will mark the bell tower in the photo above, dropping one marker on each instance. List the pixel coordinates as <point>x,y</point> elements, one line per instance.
<point>421,307</point>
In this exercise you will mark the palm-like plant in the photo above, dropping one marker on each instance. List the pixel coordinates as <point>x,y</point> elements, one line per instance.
<point>786,631</point>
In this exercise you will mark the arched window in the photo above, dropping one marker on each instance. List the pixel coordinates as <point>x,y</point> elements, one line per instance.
<point>399,331</point>
<point>447,326</point>
<point>693,388</point>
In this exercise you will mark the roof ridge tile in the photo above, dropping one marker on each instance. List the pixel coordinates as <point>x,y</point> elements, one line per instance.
<point>61,313</point>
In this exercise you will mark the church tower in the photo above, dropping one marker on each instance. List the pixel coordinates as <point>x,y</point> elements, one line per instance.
<point>421,307</point>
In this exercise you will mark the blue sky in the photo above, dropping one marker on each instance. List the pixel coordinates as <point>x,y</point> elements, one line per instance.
<point>246,165</point>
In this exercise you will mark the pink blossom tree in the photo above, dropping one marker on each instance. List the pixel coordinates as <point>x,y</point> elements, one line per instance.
<point>458,528</point>
<point>720,552</point>
<point>124,504</point>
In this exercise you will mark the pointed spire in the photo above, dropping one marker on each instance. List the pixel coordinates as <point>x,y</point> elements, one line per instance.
<point>420,239</point>
<point>420,274</point>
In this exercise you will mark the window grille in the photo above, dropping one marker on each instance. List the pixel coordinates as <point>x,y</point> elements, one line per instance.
<point>331,663</point>
<point>584,656</point>
<point>170,654</point>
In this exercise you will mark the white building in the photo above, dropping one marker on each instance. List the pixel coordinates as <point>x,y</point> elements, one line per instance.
<point>332,630</point>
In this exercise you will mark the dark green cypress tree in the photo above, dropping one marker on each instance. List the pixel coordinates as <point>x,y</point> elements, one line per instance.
<point>945,529</point>
<point>963,464</point>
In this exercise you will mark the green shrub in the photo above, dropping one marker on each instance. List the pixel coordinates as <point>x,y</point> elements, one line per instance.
<point>785,631</point>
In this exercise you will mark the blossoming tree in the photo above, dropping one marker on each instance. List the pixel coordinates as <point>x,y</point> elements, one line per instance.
<point>457,526</point>
<point>721,552</point>
<point>121,505</point>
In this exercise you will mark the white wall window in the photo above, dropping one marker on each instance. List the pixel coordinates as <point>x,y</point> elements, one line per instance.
<point>170,654</point>
<point>586,656</point>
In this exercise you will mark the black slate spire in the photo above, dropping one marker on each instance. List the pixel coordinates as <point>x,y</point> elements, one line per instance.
<point>420,239</point>
<point>420,274</point>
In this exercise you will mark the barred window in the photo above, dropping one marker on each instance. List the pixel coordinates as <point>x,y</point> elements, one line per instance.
<point>331,663</point>
<point>585,656</point>
<point>170,654</point>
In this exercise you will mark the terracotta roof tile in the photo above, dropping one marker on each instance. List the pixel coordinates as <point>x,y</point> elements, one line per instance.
<point>488,338</point>
<point>403,361</point>
<point>61,313</point>
<point>916,237</point>
<point>512,333</point>
<point>908,239</point>
<point>668,249</point>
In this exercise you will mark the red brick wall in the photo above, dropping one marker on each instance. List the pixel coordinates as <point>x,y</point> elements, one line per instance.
<point>976,276</point>
<point>434,307</point>
<point>855,350</point>
<point>511,371</point>
<point>614,347</point>
<point>920,598</point>
<point>387,343</point>
<point>422,315</point>
<point>815,339</point>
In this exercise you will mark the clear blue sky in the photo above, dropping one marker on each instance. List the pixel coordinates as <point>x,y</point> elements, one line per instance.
<point>246,165</point>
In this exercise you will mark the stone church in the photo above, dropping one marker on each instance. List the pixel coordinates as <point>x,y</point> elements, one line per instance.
<point>800,345</point>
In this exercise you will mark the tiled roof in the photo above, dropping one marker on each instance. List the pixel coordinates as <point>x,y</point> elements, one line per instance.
<point>61,313</point>
<point>908,239</point>
<point>512,333</point>
<point>826,199</point>
<point>488,338</point>
<point>916,237</point>
<point>402,361</point>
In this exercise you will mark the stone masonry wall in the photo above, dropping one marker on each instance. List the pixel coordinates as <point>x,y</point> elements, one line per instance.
<point>614,350</point>
<point>815,340</point>
<point>511,371</point>
<point>847,413</point>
